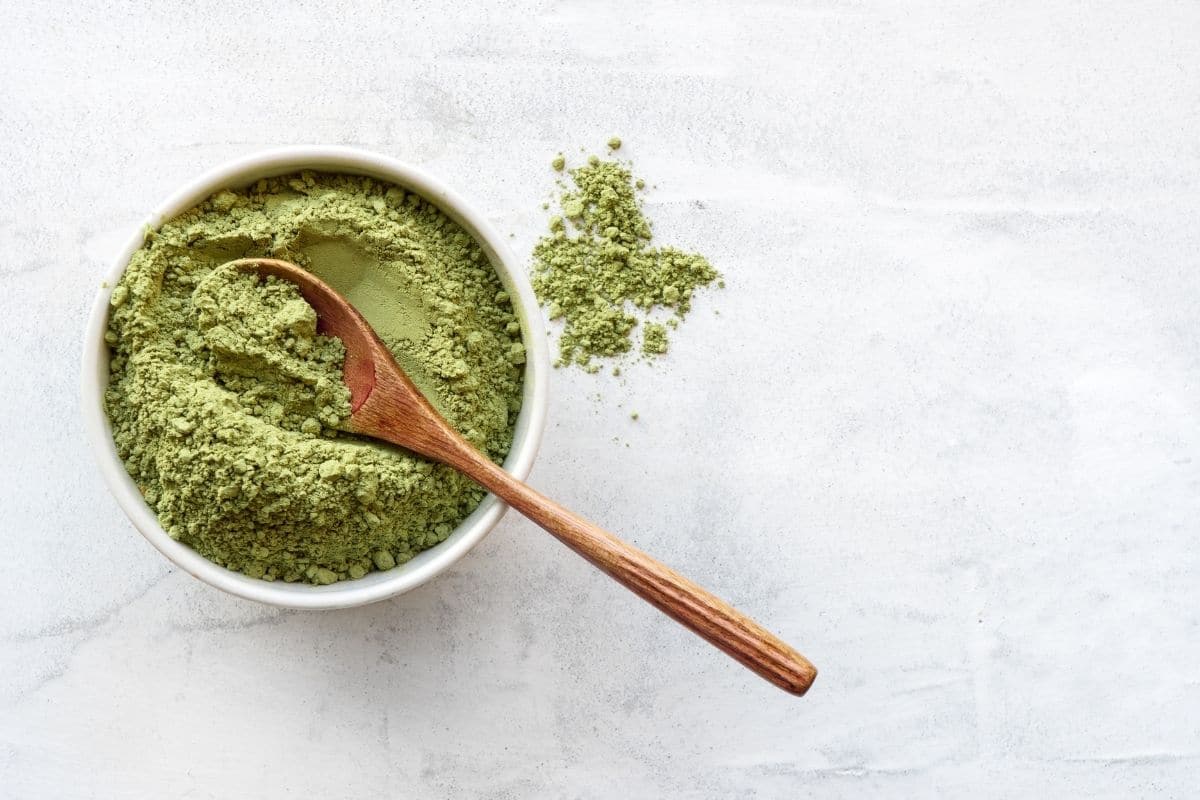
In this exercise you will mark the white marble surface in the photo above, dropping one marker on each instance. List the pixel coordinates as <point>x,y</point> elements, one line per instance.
<point>943,434</point>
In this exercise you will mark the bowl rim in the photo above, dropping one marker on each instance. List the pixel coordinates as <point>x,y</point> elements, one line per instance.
<point>376,585</point>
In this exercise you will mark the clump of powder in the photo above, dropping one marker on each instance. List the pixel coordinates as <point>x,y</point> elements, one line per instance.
<point>654,339</point>
<point>598,273</point>
<point>224,400</point>
<point>262,343</point>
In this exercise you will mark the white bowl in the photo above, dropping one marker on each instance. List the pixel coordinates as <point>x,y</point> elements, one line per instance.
<point>375,585</point>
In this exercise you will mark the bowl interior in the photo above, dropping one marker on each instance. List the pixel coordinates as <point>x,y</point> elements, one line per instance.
<point>375,585</point>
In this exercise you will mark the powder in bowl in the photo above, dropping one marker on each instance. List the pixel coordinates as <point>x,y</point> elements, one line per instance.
<point>221,396</point>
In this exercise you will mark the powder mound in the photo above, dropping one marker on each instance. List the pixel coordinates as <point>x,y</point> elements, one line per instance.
<point>262,341</point>
<point>598,273</point>
<point>224,400</point>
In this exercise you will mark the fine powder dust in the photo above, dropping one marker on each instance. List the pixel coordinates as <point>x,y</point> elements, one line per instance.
<point>224,400</point>
<point>597,272</point>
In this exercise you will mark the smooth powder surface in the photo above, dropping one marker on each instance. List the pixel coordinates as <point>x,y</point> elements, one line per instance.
<point>224,400</point>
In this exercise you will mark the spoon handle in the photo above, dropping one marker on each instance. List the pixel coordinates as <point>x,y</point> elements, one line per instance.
<point>679,598</point>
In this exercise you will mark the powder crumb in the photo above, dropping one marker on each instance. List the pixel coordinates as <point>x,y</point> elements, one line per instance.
<point>558,162</point>
<point>654,339</point>
<point>634,416</point>
<point>600,273</point>
<point>614,143</point>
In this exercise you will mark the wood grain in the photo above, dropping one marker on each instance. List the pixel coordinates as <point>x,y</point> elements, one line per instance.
<point>387,405</point>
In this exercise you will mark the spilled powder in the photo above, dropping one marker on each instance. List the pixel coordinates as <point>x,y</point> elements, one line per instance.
<point>599,274</point>
<point>224,400</point>
<point>654,339</point>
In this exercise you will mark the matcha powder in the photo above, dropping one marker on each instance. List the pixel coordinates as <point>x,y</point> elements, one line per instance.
<point>225,401</point>
<point>597,272</point>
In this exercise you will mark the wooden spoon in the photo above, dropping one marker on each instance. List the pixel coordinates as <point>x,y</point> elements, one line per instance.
<point>386,405</point>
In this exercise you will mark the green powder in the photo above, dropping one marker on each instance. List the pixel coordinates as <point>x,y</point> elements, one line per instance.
<point>600,275</point>
<point>224,400</point>
<point>654,339</point>
<point>261,339</point>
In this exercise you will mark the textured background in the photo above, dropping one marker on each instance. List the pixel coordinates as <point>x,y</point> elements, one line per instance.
<point>942,434</point>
